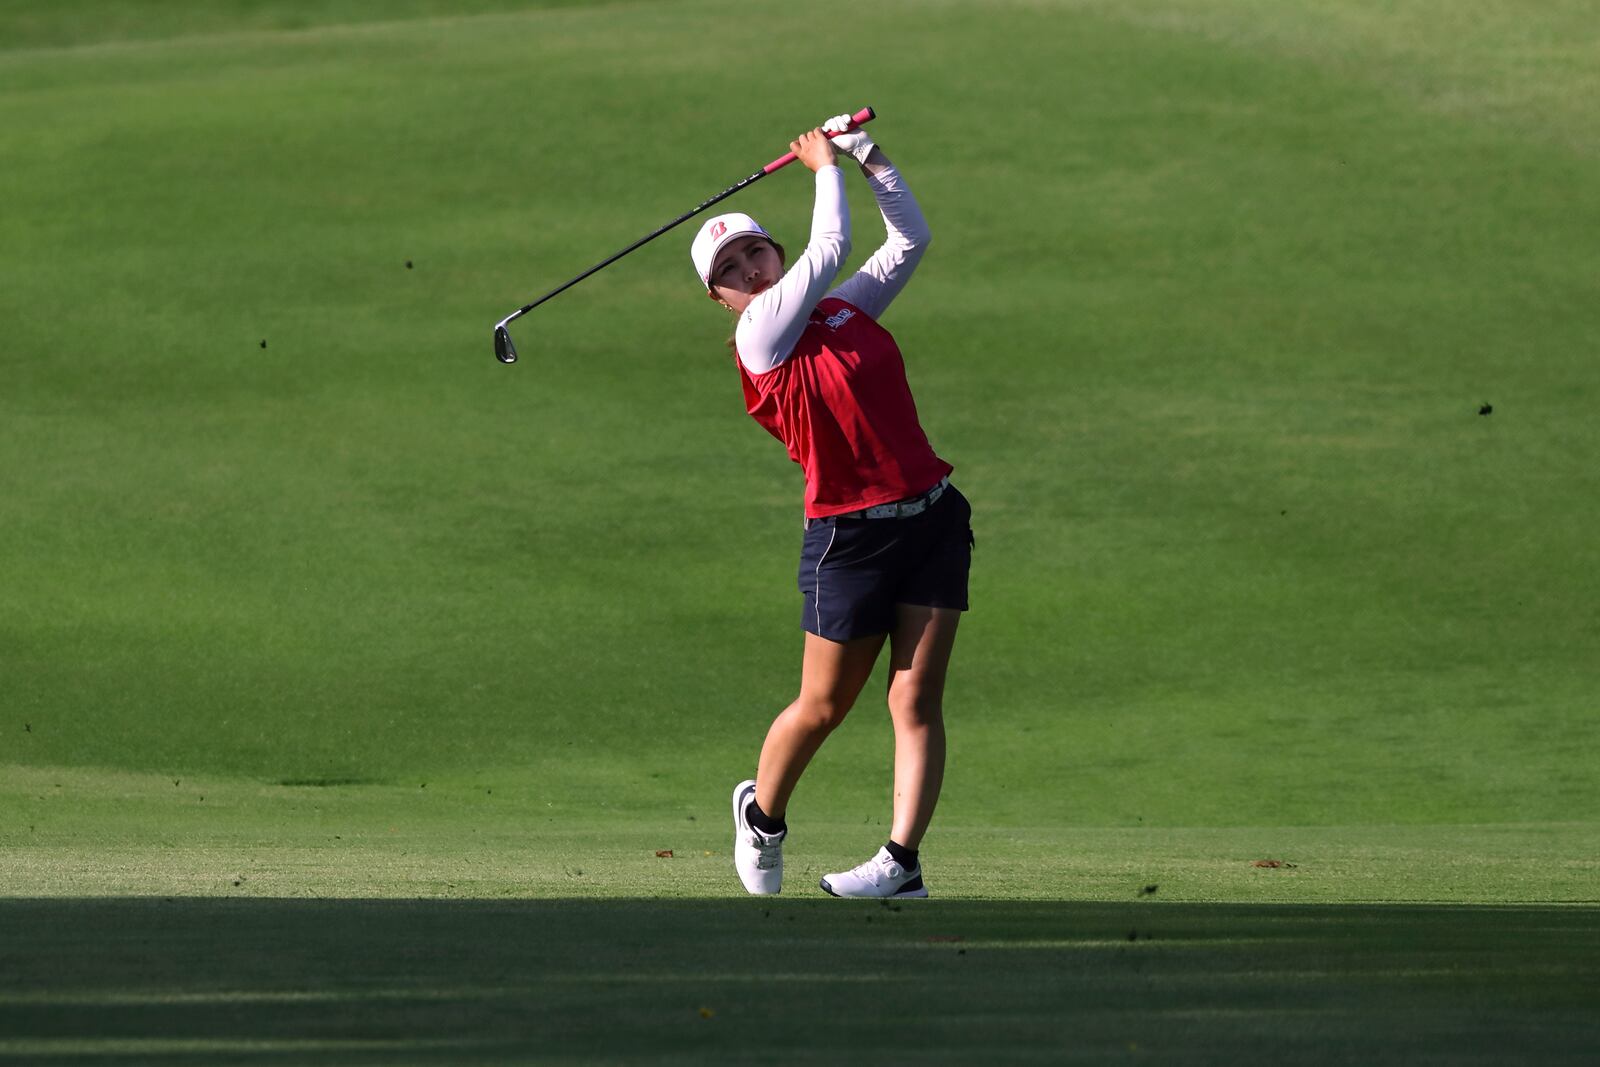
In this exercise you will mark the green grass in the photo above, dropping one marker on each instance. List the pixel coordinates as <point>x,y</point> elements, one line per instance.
<point>1206,334</point>
<point>118,23</point>
<point>303,595</point>
<point>567,981</point>
<point>121,834</point>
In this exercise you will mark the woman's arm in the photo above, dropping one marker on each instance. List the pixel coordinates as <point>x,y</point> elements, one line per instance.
<point>772,323</point>
<point>881,278</point>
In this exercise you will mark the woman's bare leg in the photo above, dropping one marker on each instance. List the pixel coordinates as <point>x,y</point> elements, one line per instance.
<point>831,676</point>
<point>919,656</point>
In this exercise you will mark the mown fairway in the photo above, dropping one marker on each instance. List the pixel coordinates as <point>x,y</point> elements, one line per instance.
<point>1262,336</point>
<point>801,981</point>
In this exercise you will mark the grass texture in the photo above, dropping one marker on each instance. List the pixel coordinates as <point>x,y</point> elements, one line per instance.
<point>1261,336</point>
<point>1206,331</point>
<point>551,981</point>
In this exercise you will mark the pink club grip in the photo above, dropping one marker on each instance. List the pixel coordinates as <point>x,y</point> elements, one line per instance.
<point>860,118</point>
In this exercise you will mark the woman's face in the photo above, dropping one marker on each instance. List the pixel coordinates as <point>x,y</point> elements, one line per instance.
<point>743,269</point>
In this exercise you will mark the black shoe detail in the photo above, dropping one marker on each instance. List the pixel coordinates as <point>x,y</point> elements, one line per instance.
<point>828,889</point>
<point>911,886</point>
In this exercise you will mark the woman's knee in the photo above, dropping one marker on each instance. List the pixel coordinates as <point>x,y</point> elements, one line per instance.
<point>914,706</point>
<point>820,714</point>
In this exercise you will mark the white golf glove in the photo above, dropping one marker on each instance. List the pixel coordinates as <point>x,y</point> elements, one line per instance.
<point>857,143</point>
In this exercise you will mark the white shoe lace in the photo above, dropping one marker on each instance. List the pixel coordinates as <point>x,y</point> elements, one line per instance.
<point>769,853</point>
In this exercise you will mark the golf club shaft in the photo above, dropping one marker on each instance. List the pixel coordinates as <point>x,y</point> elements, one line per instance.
<point>866,114</point>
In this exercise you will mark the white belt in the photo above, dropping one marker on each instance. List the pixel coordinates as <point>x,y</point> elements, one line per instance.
<point>900,509</point>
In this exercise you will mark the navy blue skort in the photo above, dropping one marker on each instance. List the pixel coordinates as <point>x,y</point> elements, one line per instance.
<point>854,571</point>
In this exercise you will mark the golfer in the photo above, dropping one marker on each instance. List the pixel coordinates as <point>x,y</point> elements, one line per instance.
<point>887,538</point>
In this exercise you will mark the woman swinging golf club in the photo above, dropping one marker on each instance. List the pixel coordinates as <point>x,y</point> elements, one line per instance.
<point>887,537</point>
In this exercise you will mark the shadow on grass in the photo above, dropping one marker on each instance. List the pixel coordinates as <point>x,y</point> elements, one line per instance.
<point>188,980</point>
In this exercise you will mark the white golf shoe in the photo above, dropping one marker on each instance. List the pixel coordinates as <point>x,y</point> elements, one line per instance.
<point>758,857</point>
<point>880,876</point>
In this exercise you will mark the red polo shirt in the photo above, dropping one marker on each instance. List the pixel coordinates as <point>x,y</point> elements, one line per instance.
<point>841,405</point>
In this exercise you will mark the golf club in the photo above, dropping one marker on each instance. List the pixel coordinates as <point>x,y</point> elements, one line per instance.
<point>506,352</point>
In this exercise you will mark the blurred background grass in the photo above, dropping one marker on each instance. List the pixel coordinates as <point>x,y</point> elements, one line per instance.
<point>1217,294</point>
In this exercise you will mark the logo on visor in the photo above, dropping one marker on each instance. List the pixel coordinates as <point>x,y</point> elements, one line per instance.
<point>718,229</point>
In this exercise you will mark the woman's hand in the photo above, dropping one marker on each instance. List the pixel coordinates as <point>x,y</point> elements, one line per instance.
<point>814,150</point>
<point>853,142</point>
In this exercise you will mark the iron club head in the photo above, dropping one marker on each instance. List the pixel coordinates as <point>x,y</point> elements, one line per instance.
<point>504,350</point>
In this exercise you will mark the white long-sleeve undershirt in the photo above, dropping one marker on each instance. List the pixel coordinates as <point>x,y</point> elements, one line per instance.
<point>773,322</point>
